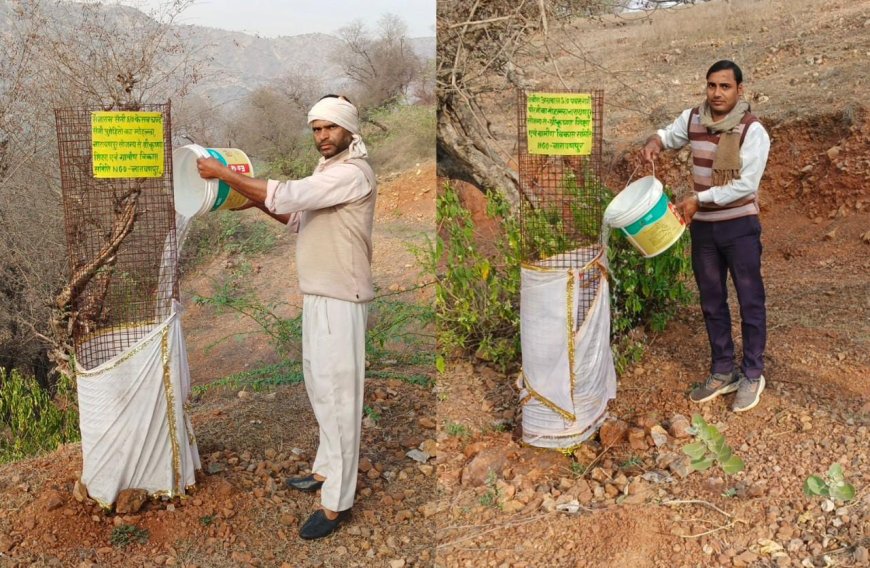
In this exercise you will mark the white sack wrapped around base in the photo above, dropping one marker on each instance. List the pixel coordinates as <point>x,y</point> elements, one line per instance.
<point>568,375</point>
<point>135,433</point>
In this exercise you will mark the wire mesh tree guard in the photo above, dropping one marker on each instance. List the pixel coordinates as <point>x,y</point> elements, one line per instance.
<point>568,375</point>
<point>121,243</point>
<point>563,197</point>
<point>562,204</point>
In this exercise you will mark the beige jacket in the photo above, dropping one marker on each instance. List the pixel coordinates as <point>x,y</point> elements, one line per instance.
<point>333,210</point>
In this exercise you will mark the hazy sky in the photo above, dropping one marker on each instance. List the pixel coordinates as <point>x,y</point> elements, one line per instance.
<point>272,18</point>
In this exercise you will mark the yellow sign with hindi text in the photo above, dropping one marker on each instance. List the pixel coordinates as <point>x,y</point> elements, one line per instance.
<point>559,124</point>
<point>127,144</point>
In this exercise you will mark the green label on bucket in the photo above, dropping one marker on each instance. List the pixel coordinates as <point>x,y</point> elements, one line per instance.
<point>652,216</point>
<point>656,237</point>
<point>223,187</point>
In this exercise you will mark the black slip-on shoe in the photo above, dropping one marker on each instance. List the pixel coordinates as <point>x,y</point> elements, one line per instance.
<point>318,526</point>
<point>307,483</point>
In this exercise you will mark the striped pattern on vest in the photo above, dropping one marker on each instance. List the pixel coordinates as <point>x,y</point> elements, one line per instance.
<point>704,144</point>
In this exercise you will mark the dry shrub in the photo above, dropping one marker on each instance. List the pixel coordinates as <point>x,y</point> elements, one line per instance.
<point>408,140</point>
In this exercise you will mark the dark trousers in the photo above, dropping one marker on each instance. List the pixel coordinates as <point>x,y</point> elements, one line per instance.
<point>719,248</point>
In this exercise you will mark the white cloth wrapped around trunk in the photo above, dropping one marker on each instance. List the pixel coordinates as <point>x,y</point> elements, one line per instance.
<point>135,432</point>
<point>568,375</point>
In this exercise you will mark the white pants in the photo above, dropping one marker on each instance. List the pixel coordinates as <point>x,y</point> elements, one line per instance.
<point>333,364</point>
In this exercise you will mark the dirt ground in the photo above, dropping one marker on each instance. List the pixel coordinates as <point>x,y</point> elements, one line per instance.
<point>604,506</point>
<point>803,64</point>
<point>238,514</point>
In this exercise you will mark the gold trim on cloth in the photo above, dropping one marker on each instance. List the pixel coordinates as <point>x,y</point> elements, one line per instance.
<point>569,300</point>
<point>532,392</point>
<point>170,412</point>
<point>536,266</point>
<point>120,327</point>
<point>592,306</point>
<point>529,266</point>
<point>594,263</point>
<point>191,438</point>
<point>594,423</point>
<point>143,341</point>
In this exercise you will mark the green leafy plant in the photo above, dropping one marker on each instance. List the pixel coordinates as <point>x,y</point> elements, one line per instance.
<point>206,520</point>
<point>372,413</point>
<point>832,485</point>
<point>124,535</point>
<point>455,429</point>
<point>479,284</point>
<point>644,292</point>
<point>31,420</point>
<point>398,332</point>
<point>711,448</point>
<point>284,333</point>
<point>477,298</point>
<point>491,496</point>
<point>730,492</point>
<point>557,226</point>
<point>440,364</point>
<point>288,372</point>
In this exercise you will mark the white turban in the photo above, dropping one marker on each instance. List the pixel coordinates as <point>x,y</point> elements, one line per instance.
<point>341,112</point>
<point>337,111</point>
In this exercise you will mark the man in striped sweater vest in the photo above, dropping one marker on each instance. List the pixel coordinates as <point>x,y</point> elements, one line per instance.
<point>729,154</point>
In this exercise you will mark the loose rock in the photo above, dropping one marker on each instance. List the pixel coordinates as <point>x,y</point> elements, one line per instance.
<point>679,426</point>
<point>130,501</point>
<point>612,432</point>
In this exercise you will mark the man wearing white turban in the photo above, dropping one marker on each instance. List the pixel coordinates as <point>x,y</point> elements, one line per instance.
<point>333,212</point>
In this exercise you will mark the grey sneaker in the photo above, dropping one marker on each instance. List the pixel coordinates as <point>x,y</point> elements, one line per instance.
<point>748,394</point>
<point>716,384</point>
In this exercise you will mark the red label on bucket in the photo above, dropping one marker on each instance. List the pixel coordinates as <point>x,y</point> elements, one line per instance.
<point>240,168</point>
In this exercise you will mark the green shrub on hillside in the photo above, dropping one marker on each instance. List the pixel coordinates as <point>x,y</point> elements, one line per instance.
<point>477,302</point>
<point>645,292</point>
<point>477,298</point>
<point>228,232</point>
<point>398,335</point>
<point>31,422</point>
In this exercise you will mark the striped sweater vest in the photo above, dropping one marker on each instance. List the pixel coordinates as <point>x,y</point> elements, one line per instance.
<point>704,144</point>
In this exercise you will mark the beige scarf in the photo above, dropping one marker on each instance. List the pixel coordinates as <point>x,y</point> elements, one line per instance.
<point>726,164</point>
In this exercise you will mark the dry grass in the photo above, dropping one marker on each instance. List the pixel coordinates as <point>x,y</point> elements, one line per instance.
<point>793,54</point>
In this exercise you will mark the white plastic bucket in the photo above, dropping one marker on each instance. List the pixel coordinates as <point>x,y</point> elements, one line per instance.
<point>194,195</point>
<point>646,216</point>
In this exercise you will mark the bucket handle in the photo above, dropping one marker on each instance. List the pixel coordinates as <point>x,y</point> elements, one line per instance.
<point>637,168</point>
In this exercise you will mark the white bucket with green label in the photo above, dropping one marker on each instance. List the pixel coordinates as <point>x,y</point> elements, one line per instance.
<point>646,216</point>
<point>194,195</point>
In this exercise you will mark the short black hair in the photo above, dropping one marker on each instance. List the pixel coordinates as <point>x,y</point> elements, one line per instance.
<point>723,65</point>
<point>331,96</point>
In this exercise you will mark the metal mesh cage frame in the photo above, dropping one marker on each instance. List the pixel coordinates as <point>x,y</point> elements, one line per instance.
<point>122,232</point>
<point>562,195</point>
<point>563,204</point>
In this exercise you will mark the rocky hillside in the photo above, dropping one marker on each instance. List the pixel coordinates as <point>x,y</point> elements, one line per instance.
<point>234,63</point>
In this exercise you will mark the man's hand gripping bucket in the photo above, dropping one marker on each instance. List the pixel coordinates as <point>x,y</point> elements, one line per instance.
<point>646,216</point>
<point>194,195</point>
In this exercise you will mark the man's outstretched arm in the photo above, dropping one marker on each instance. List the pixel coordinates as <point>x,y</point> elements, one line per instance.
<point>252,188</point>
